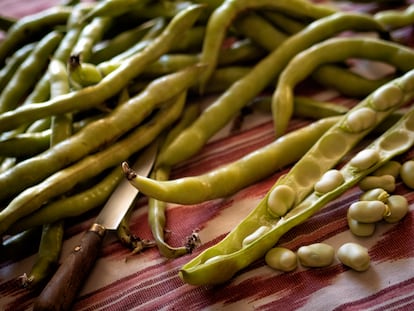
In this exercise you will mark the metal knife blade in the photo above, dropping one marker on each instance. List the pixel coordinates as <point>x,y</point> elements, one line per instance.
<point>63,287</point>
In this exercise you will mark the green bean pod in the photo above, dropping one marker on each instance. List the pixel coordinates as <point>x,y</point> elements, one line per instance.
<point>47,257</point>
<point>230,178</point>
<point>220,262</point>
<point>94,95</point>
<point>32,198</point>
<point>223,16</point>
<point>286,23</point>
<point>248,25</point>
<point>52,233</point>
<point>157,208</point>
<point>394,19</point>
<point>158,26</point>
<point>329,51</point>
<point>25,145</point>
<point>110,48</point>
<point>113,8</point>
<point>29,72</point>
<point>221,111</point>
<point>346,82</point>
<point>26,28</point>
<point>96,134</point>
<point>89,36</point>
<point>13,63</point>
<point>73,205</point>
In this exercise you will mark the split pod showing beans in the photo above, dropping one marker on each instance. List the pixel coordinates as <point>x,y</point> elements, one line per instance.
<point>220,262</point>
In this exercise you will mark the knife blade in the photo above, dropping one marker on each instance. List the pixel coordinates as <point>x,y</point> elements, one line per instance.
<point>61,290</point>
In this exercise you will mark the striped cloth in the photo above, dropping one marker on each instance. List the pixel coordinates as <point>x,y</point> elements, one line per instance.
<point>147,281</point>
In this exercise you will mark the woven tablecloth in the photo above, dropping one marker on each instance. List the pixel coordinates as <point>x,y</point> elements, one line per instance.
<point>148,281</point>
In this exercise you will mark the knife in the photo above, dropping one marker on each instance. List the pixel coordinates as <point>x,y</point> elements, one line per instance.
<point>63,287</point>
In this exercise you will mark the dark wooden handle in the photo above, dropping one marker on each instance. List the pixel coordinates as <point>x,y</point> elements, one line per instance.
<point>62,289</point>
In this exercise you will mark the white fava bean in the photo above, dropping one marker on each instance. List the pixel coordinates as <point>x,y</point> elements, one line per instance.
<point>316,255</point>
<point>359,228</point>
<point>280,200</point>
<point>386,97</point>
<point>386,182</point>
<point>329,181</point>
<point>354,256</point>
<point>281,258</point>
<point>255,235</point>
<point>367,211</point>
<point>398,208</point>
<point>407,173</point>
<point>360,119</point>
<point>376,194</point>
<point>365,159</point>
<point>390,168</point>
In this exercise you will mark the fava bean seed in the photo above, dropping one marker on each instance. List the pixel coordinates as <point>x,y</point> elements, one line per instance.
<point>316,255</point>
<point>354,256</point>
<point>365,159</point>
<point>398,208</point>
<point>386,182</point>
<point>360,228</point>
<point>280,200</point>
<point>255,235</point>
<point>389,168</point>
<point>360,120</point>
<point>386,97</point>
<point>407,173</point>
<point>376,194</point>
<point>281,258</point>
<point>367,211</point>
<point>329,181</point>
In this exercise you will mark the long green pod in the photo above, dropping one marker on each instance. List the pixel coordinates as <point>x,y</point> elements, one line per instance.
<point>110,85</point>
<point>346,81</point>
<point>47,256</point>
<point>227,179</point>
<point>13,63</point>
<point>223,16</point>
<point>73,205</point>
<point>249,24</point>
<point>29,72</point>
<point>260,230</point>
<point>96,134</point>
<point>107,49</point>
<point>156,208</point>
<point>26,28</point>
<point>329,51</point>
<point>32,198</point>
<point>394,19</point>
<point>25,144</point>
<point>113,8</point>
<point>91,33</point>
<point>224,108</point>
<point>52,233</point>
<point>41,91</point>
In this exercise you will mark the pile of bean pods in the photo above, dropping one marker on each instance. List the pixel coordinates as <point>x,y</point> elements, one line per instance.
<point>85,86</point>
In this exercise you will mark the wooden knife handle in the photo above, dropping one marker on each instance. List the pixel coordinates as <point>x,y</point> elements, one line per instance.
<point>62,289</point>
